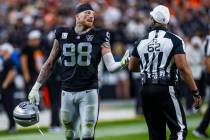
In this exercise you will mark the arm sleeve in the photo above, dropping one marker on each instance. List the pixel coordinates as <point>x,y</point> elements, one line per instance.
<point>135,51</point>
<point>110,63</point>
<point>180,46</point>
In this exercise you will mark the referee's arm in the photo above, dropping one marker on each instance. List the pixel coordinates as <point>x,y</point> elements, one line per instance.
<point>186,73</point>
<point>133,65</point>
<point>207,63</point>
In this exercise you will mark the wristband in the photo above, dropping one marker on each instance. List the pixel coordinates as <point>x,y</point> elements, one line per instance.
<point>196,93</point>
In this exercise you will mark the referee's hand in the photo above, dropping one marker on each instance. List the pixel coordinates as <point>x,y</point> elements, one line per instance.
<point>197,100</point>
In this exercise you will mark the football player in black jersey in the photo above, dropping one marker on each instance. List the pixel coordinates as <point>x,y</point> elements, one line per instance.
<point>81,49</point>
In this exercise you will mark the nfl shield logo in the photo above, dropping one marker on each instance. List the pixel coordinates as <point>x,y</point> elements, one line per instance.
<point>89,37</point>
<point>64,35</point>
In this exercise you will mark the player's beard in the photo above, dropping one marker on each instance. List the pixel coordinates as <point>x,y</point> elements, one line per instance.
<point>84,25</point>
<point>87,24</point>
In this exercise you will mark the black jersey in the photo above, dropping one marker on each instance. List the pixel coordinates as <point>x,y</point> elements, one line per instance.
<point>80,56</point>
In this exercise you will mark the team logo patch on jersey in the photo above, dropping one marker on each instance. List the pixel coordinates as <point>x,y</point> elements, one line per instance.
<point>64,35</point>
<point>89,37</point>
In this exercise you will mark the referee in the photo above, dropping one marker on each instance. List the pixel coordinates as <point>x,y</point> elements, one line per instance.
<point>161,57</point>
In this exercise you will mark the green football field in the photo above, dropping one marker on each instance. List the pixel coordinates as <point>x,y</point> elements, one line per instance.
<point>134,129</point>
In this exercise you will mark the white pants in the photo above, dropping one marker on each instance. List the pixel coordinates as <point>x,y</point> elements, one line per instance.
<point>79,109</point>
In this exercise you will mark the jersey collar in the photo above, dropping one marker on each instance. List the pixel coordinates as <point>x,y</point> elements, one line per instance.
<point>158,28</point>
<point>82,33</point>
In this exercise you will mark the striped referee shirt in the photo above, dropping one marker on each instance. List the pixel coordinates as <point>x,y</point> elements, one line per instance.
<point>207,46</point>
<point>156,54</point>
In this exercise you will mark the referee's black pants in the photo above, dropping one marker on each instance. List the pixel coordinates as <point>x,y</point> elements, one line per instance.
<point>161,107</point>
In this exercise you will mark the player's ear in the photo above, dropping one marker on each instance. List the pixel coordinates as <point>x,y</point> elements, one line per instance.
<point>152,21</point>
<point>76,16</point>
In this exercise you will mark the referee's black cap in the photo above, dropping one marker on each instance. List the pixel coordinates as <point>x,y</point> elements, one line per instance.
<point>83,7</point>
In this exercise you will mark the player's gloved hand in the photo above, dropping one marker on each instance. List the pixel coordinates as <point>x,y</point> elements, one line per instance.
<point>34,94</point>
<point>125,59</point>
<point>197,99</point>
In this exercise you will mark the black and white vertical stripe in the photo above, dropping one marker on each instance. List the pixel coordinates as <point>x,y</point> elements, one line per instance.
<point>156,53</point>
<point>207,46</point>
<point>180,122</point>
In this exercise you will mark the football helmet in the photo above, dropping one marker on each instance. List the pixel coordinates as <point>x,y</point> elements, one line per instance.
<point>26,114</point>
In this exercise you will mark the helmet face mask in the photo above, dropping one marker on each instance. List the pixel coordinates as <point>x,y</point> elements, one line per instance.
<point>26,114</point>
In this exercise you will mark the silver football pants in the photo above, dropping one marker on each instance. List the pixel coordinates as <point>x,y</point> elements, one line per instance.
<point>79,111</point>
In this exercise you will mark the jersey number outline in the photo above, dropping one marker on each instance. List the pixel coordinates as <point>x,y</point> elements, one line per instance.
<point>153,46</point>
<point>84,50</point>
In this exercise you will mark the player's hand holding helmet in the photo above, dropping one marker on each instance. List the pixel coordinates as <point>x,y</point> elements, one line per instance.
<point>125,59</point>
<point>26,114</point>
<point>34,94</point>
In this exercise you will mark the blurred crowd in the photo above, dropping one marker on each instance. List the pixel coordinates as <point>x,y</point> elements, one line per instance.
<point>27,31</point>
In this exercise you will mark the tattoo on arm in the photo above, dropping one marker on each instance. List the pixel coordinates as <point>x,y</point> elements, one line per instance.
<point>48,66</point>
<point>105,48</point>
<point>106,45</point>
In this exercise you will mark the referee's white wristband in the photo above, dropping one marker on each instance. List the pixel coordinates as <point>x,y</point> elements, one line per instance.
<point>37,86</point>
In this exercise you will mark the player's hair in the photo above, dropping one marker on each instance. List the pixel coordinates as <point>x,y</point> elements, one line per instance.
<point>156,24</point>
